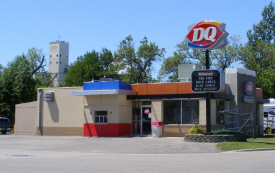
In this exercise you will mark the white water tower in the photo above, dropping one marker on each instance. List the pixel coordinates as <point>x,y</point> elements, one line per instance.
<point>58,61</point>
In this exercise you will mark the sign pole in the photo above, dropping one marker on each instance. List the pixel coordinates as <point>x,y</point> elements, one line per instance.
<point>207,35</point>
<point>208,100</point>
<point>207,59</point>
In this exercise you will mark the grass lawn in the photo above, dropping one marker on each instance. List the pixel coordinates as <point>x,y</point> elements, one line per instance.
<point>252,143</point>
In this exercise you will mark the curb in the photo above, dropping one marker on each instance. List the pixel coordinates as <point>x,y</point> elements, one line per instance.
<point>257,149</point>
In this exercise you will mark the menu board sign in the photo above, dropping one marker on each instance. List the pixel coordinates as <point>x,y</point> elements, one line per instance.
<point>208,81</point>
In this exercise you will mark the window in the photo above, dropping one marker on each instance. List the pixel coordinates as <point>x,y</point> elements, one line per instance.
<point>190,112</point>
<point>56,62</point>
<point>65,70</point>
<point>50,55</point>
<point>172,109</point>
<point>181,111</point>
<point>59,55</point>
<point>60,62</point>
<point>50,62</point>
<point>220,107</point>
<point>56,55</point>
<point>66,56</point>
<point>101,117</point>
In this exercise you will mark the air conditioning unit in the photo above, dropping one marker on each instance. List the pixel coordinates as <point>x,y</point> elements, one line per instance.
<point>185,71</point>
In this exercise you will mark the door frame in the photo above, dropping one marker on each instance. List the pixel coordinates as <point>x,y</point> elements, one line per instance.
<point>141,119</point>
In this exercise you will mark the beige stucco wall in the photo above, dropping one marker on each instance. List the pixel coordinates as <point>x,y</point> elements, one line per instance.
<point>157,110</point>
<point>117,107</point>
<point>26,118</point>
<point>65,112</point>
<point>177,130</point>
<point>202,112</point>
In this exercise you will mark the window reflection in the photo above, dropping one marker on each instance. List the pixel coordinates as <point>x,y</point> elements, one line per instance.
<point>181,111</point>
<point>220,107</point>
<point>190,112</point>
<point>171,109</point>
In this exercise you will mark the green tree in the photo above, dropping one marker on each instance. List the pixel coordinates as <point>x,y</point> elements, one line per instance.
<point>169,67</point>
<point>92,65</point>
<point>258,53</point>
<point>219,58</point>
<point>224,57</point>
<point>136,66</point>
<point>261,59</point>
<point>182,55</point>
<point>19,81</point>
<point>125,60</point>
<point>264,31</point>
<point>194,55</point>
<point>107,64</point>
<point>1,68</point>
<point>147,54</point>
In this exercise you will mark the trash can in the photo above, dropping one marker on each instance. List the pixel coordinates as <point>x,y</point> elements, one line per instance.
<point>157,129</point>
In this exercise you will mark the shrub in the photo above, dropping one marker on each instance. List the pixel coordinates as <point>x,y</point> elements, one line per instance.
<point>196,130</point>
<point>227,132</point>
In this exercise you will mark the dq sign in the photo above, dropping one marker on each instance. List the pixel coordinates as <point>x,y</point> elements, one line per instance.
<point>146,111</point>
<point>248,87</point>
<point>207,35</point>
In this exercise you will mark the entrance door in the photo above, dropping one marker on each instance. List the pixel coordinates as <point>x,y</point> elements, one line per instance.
<point>146,120</point>
<point>141,118</point>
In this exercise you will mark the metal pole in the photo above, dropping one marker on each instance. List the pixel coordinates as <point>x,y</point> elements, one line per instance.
<point>39,110</point>
<point>208,113</point>
<point>208,101</point>
<point>207,59</point>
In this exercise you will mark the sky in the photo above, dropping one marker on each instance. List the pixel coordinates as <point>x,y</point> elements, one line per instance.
<point>95,24</point>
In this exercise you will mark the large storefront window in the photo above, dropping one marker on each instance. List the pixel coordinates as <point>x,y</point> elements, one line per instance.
<point>190,112</point>
<point>172,109</point>
<point>181,112</point>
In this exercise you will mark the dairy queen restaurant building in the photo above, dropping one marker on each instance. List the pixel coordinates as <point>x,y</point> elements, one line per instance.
<point>115,108</point>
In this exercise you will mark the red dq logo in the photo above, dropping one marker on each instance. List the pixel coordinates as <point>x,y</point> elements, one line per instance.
<point>146,111</point>
<point>207,35</point>
<point>248,87</point>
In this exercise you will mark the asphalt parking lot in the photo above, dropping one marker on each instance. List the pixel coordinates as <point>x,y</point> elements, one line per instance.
<point>105,145</point>
<point>31,154</point>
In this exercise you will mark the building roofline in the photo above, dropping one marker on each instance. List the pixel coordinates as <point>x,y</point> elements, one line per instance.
<point>180,96</point>
<point>58,41</point>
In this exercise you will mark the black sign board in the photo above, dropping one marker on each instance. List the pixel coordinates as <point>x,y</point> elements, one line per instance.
<point>208,81</point>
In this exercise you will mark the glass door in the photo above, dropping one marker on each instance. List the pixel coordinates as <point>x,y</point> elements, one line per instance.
<point>136,118</point>
<point>141,118</point>
<point>146,120</point>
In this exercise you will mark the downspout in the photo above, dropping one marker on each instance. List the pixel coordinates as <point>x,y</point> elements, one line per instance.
<point>39,111</point>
